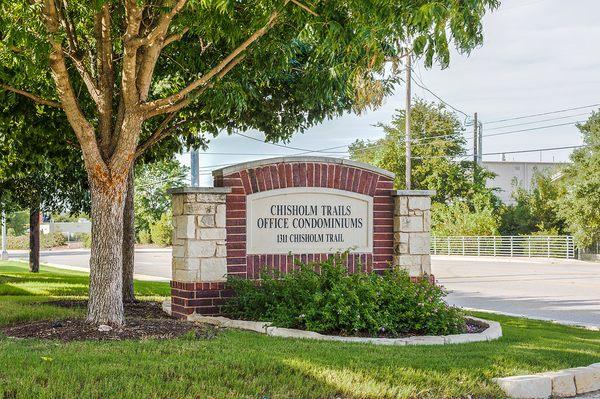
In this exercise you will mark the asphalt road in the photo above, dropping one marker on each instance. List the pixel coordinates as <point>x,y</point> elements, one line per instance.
<point>563,290</point>
<point>150,264</point>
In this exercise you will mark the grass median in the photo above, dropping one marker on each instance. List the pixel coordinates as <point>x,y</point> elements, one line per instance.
<point>236,364</point>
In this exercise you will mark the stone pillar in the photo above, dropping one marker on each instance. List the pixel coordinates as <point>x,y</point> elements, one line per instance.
<point>199,248</point>
<point>412,231</point>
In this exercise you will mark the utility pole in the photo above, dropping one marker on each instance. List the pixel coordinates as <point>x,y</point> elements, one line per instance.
<point>480,144</point>
<point>194,166</point>
<point>475,139</point>
<point>475,142</point>
<point>407,138</point>
<point>4,255</point>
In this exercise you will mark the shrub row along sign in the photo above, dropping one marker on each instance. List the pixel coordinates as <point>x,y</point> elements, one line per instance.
<point>276,212</point>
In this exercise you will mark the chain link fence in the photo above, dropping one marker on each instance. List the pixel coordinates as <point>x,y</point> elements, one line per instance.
<point>510,246</point>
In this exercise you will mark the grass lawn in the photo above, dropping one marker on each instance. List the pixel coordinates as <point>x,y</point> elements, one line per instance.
<point>240,364</point>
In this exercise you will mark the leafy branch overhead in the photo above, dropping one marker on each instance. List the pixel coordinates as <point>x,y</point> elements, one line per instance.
<point>118,64</point>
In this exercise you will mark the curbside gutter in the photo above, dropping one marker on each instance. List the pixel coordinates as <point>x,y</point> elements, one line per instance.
<point>494,331</point>
<point>559,384</point>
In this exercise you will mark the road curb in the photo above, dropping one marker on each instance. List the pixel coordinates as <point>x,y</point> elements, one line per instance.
<point>561,384</point>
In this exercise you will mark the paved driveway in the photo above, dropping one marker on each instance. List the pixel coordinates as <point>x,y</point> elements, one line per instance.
<point>566,291</point>
<point>562,290</point>
<point>150,264</point>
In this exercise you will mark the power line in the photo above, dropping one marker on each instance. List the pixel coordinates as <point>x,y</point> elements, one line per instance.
<point>540,121</point>
<point>509,152</point>
<point>530,129</point>
<point>422,86</point>
<point>306,150</point>
<point>543,113</point>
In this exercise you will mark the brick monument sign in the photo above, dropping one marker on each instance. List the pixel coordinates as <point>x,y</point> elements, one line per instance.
<point>275,212</point>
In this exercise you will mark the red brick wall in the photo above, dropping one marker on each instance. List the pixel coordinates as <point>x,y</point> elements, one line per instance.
<point>207,297</point>
<point>306,174</point>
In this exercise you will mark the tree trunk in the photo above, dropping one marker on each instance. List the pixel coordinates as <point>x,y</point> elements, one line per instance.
<point>34,238</point>
<point>128,242</point>
<point>105,304</point>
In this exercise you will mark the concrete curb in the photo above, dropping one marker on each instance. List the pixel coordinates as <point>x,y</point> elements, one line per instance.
<point>494,331</point>
<point>560,384</point>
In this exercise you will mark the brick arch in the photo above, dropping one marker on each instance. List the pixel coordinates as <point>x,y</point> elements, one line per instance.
<point>277,173</point>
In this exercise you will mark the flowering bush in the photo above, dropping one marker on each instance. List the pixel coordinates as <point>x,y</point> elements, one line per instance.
<point>324,298</point>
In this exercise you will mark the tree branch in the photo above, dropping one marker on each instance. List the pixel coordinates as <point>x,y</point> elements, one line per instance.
<point>81,126</point>
<point>33,97</point>
<point>164,105</point>
<point>305,8</point>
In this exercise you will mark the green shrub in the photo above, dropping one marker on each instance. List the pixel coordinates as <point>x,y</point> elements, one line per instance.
<point>161,230</point>
<point>144,237</point>
<point>84,238</point>
<point>55,239</point>
<point>325,298</point>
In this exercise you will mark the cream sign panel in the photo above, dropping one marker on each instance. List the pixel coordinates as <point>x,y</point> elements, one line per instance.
<point>307,220</point>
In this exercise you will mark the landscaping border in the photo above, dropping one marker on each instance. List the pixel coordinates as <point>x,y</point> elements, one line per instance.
<point>561,384</point>
<point>492,332</point>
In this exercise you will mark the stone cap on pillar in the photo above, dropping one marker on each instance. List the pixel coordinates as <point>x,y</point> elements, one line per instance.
<point>199,190</point>
<point>413,193</point>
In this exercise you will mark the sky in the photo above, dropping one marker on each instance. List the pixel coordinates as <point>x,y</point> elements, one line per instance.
<point>538,56</point>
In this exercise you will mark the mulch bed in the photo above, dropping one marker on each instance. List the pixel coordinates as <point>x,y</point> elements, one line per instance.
<point>144,320</point>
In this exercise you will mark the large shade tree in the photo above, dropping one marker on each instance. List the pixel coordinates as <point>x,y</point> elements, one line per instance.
<point>128,73</point>
<point>38,174</point>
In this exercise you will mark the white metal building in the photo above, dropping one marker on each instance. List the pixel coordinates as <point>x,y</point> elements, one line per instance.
<point>509,172</point>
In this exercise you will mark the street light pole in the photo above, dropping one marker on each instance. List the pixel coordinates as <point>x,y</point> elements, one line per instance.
<point>4,255</point>
<point>407,136</point>
<point>194,166</point>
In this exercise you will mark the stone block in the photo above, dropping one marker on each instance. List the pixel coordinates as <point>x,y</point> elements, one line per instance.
<point>206,221</point>
<point>213,269</point>
<point>427,221</point>
<point>407,260</point>
<point>213,234</point>
<point>401,206</point>
<point>563,384</point>
<point>426,340</point>
<point>587,379</point>
<point>210,198</point>
<point>185,264</point>
<point>185,226</point>
<point>420,244</point>
<point>189,197</point>
<point>419,203</point>
<point>221,250</point>
<point>197,208</point>
<point>201,249</point>
<point>186,276</point>
<point>220,215</point>
<point>400,248</point>
<point>178,251</point>
<point>426,264</point>
<point>409,224</point>
<point>177,205</point>
<point>291,333</point>
<point>526,386</point>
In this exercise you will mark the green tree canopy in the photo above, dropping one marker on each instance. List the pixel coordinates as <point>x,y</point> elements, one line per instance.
<point>580,206</point>
<point>536,210</point>
<point>438,153</point>
<point>152,181</point>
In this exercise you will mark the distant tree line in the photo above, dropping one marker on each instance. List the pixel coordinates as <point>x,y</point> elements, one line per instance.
<point>565,203</point>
